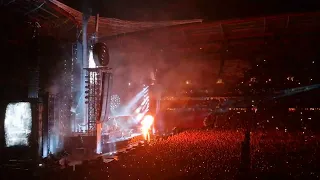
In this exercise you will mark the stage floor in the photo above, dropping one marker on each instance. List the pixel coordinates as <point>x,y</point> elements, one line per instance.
<point>110,150</point>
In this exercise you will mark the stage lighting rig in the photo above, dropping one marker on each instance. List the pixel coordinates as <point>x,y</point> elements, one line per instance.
<point>98,81</point>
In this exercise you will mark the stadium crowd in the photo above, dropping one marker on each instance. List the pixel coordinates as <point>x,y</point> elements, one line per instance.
<point>210,154</point>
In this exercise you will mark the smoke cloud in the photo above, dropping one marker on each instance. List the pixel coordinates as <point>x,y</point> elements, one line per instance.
<point>135,58</point>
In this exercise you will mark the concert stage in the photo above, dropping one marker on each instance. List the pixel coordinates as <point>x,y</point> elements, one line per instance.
<point>109,149</point>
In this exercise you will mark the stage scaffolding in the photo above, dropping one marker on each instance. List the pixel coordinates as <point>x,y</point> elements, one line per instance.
<point>58,121</point>
<point>60,115</point>
<point>98,85</point>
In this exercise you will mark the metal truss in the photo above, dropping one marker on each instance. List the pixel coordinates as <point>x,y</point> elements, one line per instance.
<point>94,88</point>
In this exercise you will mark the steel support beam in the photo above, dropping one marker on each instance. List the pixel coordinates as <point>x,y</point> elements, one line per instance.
<point>85,63</point>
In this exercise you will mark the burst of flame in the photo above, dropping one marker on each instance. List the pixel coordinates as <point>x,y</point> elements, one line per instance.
<point>146,124</point>
<point>220,81</point>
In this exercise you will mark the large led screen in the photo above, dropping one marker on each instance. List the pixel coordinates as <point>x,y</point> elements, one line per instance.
<point>17,124</point>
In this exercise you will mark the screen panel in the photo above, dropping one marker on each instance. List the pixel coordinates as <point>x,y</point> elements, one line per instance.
<point>18,124</point>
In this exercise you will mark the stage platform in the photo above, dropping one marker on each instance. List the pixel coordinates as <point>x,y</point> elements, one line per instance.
<point>110,150</point>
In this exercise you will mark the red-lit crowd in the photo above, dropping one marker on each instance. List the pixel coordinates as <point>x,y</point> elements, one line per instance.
<point>210,154</point>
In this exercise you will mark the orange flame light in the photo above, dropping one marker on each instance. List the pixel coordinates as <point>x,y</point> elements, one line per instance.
<point>146,124</point>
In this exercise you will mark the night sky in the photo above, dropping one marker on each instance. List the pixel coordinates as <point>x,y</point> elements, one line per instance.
<point>149,10</point>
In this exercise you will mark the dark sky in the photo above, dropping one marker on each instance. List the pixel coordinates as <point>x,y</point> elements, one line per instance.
<point>185,9</point>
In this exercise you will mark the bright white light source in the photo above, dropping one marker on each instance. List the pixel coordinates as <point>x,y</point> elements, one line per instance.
<point>146,124</point>
<point>138,110</point>
<point>18,122</point>
<point>92,64</point>
<point>139,116</point>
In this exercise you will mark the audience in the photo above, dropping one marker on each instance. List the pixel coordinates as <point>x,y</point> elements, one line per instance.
<point>210,154</point>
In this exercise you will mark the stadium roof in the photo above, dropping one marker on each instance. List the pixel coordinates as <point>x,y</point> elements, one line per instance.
<point>51,19</point>
<point>241,35</point>
<point>239,43</point>
<point>60,20</point>
<point>111,26</point>
<point>187,39</point>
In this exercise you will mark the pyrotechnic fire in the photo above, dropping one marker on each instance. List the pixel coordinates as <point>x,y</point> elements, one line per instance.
<point>146,124</point>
